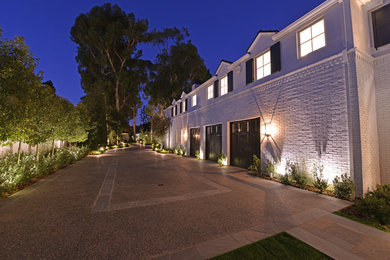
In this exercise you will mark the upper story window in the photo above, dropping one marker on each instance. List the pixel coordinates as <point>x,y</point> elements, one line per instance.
<point>194,100</point>
<point>381,26</point>
<point>263,65</point>
<point>184,105</point>
<point>224,86</point>
<point>312,38</point>
<point>210,92</point>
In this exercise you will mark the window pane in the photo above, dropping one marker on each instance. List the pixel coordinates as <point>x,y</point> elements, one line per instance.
<point>319,42</point>
<point>306,48</point>
<point>305,35</point>
<point>194,100</point>
<point>317,28</point>
<point>210,92</point>
<point>267,57</point>
<point>267,69</point>
<point>259,62</point>
<point>260,73</point>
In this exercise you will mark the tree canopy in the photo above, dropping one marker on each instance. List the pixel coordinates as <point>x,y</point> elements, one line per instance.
<point>113,71</point>
<point>177,69</point>
<point>30,111</point>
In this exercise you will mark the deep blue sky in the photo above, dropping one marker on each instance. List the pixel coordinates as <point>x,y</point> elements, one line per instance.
<point>220,29</point>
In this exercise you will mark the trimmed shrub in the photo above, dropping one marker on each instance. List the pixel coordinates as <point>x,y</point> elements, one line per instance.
<point>343,187</point>
<point>375,207</point>
<point>270,169</point>
<point>256,166</point>
<point>319,181</point>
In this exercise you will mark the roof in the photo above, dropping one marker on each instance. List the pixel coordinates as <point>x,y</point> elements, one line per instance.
<point>257,37</point>
<point>220,64</point>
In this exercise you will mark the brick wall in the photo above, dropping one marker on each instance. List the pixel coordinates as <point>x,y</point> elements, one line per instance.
<point>307,107</point>
<point>367,171</point>
<point>382,84</point>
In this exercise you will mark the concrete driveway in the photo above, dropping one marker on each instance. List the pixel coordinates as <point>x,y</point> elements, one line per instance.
<point>134,203</point>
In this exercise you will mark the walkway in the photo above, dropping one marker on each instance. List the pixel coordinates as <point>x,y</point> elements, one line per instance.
<point>136,204</point>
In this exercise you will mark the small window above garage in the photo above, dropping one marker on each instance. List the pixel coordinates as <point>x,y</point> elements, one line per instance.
<point>381,26</point>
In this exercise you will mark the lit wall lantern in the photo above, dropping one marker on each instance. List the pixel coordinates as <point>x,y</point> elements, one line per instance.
<point>184,134</point>
<point>268,130</point>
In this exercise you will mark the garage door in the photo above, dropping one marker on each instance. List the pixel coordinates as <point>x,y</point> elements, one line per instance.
<point>213,142</point>
<point>194,141</point>
<point>244,142</point>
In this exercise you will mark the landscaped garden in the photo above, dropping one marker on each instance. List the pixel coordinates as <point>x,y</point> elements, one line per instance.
<point>297,175</point>
<point>16,175</point>
<point>372,210</point>
<point>280,246</point>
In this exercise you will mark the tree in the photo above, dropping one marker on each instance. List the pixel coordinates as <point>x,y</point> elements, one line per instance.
<point>109,57</point>
<point>19,85</point>
<point>175,72</point>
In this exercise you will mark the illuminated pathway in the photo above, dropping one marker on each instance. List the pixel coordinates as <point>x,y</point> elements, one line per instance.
<point>134,203</point>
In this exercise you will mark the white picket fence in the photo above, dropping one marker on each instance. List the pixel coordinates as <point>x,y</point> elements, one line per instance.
<point>25,148</point>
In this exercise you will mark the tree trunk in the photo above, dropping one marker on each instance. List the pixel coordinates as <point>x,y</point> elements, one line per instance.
<point>19,148</point>
<point>117,95</point>
<point>37,155</point>
<point>105,111</point>
<point>134,129</point>
<point>52,149</point>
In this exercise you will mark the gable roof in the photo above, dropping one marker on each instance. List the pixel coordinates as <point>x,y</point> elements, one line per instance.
<point>258,35</point>
<point>220,65</point>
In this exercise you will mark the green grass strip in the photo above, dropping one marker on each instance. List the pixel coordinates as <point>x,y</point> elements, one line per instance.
<point>362,221</point>
<point>281,246</point>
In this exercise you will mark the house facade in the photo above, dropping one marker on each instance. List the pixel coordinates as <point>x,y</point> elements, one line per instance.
<point>316,92</point>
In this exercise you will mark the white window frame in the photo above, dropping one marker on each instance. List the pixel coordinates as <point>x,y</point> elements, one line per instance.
<point>224,86</point>
<point>311,39</point>
<point>210,92</point>
<point>184,105</point>
<point>194,101</point>
<point>264,66</point>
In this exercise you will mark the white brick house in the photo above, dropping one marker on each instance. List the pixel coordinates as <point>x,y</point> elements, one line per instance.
<point>318,90</point>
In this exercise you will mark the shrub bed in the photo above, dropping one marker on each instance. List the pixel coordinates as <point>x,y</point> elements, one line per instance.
<point>13,176</point>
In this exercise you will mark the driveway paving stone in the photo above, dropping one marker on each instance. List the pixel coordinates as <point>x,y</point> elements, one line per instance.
<point>134,203</point>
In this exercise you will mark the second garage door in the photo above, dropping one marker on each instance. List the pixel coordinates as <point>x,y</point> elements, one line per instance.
<point>194,141</point>
<point>213,142</point>
<point>244,142</point>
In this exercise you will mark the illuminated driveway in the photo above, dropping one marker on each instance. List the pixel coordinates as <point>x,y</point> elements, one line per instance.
<point>135,203</point>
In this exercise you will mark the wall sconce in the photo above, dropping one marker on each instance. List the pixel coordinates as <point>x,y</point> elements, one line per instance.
<point>268,130</point>
<point>185,135</point>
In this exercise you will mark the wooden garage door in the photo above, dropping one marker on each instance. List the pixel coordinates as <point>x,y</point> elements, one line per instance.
<point>194,141</point>
<point>213,142</point>
<point>244,142</point>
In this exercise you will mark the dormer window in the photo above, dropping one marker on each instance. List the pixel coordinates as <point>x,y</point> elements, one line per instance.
<point>263,65</point>
<point>224,86</point>
<point>210,92</point>
<point>312,38</point>
<point>194,100</point>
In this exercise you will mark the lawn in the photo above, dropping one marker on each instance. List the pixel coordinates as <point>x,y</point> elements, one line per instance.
<point>280,246</point>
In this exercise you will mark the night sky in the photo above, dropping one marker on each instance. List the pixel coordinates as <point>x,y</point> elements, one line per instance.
<point>219,29</point>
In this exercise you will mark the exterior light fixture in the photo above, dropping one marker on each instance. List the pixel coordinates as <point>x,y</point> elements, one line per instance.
<point>268,130</point>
